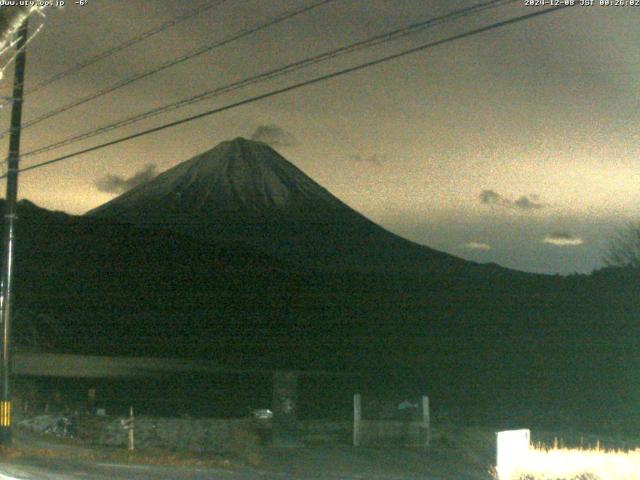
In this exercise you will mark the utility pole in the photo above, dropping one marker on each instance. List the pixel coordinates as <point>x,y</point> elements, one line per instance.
<point>13,162</point>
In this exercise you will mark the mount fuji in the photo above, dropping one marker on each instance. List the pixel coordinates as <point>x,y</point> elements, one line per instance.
<point>244,191</point>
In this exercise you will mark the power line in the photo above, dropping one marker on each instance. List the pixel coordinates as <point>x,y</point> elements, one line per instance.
<point>171,63</point>
<point>277,72</point>
<point>296,86</point>
<point>123,46</point>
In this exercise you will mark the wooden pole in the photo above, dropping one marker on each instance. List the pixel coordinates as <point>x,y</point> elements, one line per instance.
<point>285,409</point>
<point>91,400</point>
<point>9,236</point>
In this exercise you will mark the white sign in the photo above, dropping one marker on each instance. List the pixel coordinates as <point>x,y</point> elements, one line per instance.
<point>513,445</point>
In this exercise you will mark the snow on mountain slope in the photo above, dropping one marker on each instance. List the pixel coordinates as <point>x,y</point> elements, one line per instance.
<point>237,175</point>
<point>244,191</point>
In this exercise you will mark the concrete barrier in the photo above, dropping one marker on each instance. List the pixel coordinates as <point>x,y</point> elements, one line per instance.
<point>189,434</point>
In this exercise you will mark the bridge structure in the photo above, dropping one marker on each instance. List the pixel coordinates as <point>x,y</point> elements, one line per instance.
<point>285,382</point>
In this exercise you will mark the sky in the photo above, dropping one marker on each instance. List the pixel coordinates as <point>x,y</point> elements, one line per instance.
<point>517,146</point>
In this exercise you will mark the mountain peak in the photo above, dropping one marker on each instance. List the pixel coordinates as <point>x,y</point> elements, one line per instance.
<point>242,140</point>
<point>243,190</point>
<point>245,147</point>
<point>243,144</point>
<point>235,175</point>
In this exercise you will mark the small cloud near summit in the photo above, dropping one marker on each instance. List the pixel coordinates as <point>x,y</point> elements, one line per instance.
<point>274,136</point>
<point>525,202</point>
<point>563,239</point>
<point>119,184</point>
<point>528,203</point>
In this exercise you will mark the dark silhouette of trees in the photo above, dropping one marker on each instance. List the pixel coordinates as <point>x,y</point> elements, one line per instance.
<point>624,249</point>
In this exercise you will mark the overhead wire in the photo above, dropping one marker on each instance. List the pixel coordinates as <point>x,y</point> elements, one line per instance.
<point>305,83</point>
<point>74,69</point>
<point>277,72</point>
<point>181,59</point>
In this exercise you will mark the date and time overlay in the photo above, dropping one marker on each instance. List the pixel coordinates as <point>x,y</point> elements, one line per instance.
<point>42,3</point>
<point>526,3</point>
<point>581,3</point>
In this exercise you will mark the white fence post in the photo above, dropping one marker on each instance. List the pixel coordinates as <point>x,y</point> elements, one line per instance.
<point>357,419</point>
<point>426,422</point>
<point>131,429</point>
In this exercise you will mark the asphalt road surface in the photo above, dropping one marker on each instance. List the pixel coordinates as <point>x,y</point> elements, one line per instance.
<point>68,470</point>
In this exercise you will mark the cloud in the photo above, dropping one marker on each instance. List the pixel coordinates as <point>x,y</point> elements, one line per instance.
<point>118,184</point>
<point>477,246</point>
<point>374,159</point>
<point>273,135</point>
<point>530,202</point>
<point>563,239</point>
<point>489,197</point>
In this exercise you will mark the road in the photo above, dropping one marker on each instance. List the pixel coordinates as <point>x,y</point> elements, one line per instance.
<point>69,470</point>
<point>35,457</point>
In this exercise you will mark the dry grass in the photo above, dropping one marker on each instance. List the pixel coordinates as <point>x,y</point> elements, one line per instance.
<point>543,463</point>
<point>245,444</point>
<point>29,446</point>
<point>164,458</point>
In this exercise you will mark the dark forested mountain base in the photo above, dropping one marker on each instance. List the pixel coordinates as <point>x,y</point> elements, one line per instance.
<point>238,257</point>
<point>528,346</point>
